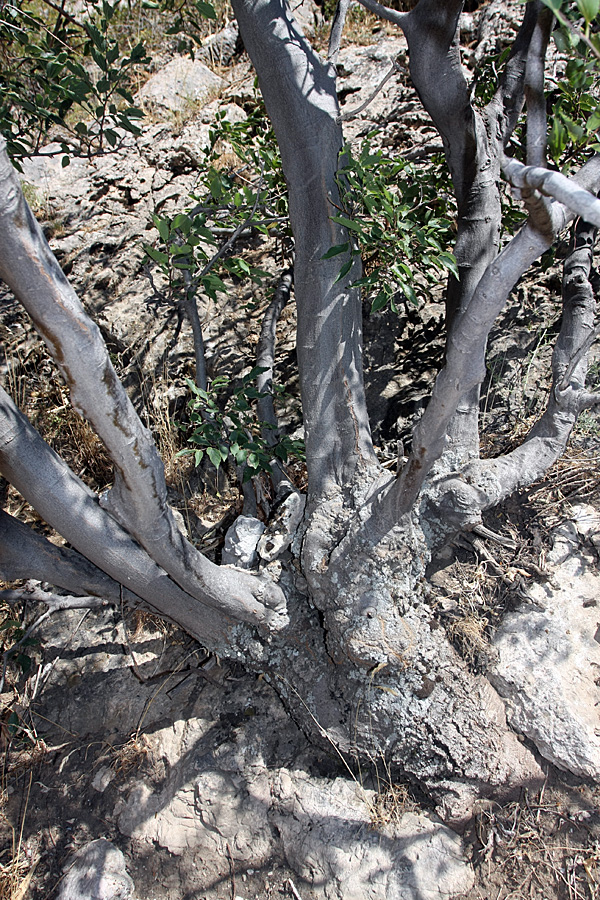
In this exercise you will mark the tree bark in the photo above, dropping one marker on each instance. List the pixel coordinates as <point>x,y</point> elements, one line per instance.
<point>138,498</point>
<point>299,89</point>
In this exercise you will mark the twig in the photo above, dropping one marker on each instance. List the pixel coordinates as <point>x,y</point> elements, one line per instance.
<point>344,117</point>
<point>238,231</point>
<point>55,603</point>
<point>265,360</point>
<point>578,34</point>
<point>231,870</point>
<point>490,535</point>
<point>293,890</point>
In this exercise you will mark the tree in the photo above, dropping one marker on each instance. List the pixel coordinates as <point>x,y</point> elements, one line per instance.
<point>350,643</point>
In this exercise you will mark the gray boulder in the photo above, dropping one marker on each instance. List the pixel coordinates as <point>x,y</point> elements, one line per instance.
<point>549,655</point>
<point>96,872</point>
<point>182,83</point>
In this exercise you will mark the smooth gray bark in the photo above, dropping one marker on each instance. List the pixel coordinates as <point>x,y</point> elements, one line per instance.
<point>299,89</point>
<point>138,498</point>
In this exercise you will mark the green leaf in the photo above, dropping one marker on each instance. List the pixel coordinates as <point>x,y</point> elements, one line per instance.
<point>448,260</point>
<point>163,228</point>
<point>158,256</point>
<point>215,456</point>
<point>344,270</point>
<point>554,5</point>
<point>206,10</point>
<point>347,223</point>
<point>183,223</point>
<point>379,302</point>
<point>334,251</point>
<point>588,9</point>
<point>575,130</point>
<point>198,454</point>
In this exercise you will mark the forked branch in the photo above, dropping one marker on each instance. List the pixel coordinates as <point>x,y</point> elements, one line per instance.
<point>553,184</point>
<point>138,499</point>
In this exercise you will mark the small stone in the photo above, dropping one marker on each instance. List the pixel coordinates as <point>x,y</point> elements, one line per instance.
<point>181,83</point>
<point>102,779</point>
<point>281,530</point>
<point>241,541</point>
<point>96,872</point>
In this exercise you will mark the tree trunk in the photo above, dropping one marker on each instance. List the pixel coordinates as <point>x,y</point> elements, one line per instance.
<point>346,630</point>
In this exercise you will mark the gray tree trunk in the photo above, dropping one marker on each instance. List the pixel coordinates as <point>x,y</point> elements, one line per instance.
<point>351,642</point>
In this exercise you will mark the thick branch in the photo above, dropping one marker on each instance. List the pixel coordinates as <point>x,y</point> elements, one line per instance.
<point>472,153</point>
<point>465,360</point>
<point>552,184</point>
<point>45,481</point>
<point>138,499</point>
<point>300,95</point>
<point>487,482</point>
<point>337,28</point>
<point>535,95</point>
<point>27,554</point>
<point>507,104</point>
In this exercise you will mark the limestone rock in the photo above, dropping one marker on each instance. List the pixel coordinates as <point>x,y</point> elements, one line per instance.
<point>241,541</point>
<point>549,658</point>
<point>96,872</point>
<point>281,530</point>
<point>183,82</point>
<point>329,840</point>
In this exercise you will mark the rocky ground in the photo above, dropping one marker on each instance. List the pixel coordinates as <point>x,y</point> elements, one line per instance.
<point>135,764</point>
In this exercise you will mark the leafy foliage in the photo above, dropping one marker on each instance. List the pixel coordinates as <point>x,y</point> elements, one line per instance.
<point>575,114</point>
<point>230,428</point>
<point>400,222</point>
<point>239,189</point>
<point>66,79</point>
<point>575,107</point>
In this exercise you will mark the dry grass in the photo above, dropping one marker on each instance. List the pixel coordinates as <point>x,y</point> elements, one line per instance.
<point>38,390</point>
<point>131,755</point>
<point>470,632</point>
<point>540,848</point>
<point>574,478</point>
<point>16,868</point>
<point>391,802</point>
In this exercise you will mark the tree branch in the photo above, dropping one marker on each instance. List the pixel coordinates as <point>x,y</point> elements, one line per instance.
<point>138,498</point>
<point>27,554</point>
<point>346,116</point>
<point>507,104</point>
<point>300,95</point>
<point>265,360</point>
<point>384,12</point>
<point>337,28</point>
<point>69,506</point>
<point>535,95</point>
<point>465,364</point>
<point>552,184</point>
<point>54,602</point>
<point>487,482</point>
<point>471,149</point>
